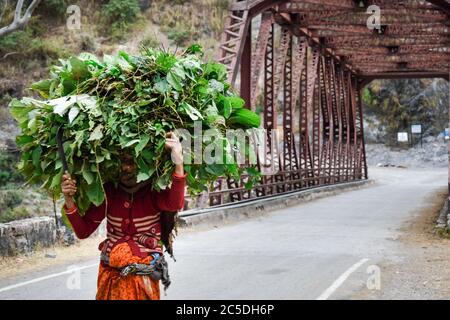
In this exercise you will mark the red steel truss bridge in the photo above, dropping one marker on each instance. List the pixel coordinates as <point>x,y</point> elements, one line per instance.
<point>305,63</point>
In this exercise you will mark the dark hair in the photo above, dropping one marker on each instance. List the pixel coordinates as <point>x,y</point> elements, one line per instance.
<point>169,229</point>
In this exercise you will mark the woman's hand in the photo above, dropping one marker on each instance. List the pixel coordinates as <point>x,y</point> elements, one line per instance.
<point>68,188</point>
<point>174,145</point>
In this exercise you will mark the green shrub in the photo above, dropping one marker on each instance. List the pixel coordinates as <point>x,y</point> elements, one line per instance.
<point>15,41</point>
<point>10,199</point>
<point>119,11</point>
<point>24,45</point>
<point>443,233</point>
<point>9,215</point>
<point>11,208</point>
<point>8,170</point>
<point>118,14</point>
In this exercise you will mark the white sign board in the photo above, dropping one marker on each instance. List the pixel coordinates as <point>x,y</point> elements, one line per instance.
<point>446,135</point>
<point>416,128</point>
<point>402,137</point>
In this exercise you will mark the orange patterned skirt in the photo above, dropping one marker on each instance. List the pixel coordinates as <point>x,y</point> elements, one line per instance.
<point>111,286</point>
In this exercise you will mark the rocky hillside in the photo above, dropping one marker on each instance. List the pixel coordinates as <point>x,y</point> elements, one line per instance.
<point>106,26</point>
<point>392,106</point>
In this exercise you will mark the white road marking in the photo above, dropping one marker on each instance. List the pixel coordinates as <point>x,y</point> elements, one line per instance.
<point>70,270</point>
<point>339,281</point>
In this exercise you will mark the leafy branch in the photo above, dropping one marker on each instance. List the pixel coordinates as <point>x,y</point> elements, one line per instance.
<point>127,104</point>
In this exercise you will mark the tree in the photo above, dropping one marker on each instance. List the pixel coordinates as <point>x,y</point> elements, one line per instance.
<point>19,20</point>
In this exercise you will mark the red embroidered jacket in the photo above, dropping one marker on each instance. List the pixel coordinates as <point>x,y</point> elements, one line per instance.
<point>130,218</point>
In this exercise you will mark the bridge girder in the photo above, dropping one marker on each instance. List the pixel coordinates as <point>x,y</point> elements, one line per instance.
<point>310,60</point>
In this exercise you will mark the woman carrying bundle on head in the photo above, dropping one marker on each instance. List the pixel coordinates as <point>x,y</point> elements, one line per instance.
<point>132,260</point>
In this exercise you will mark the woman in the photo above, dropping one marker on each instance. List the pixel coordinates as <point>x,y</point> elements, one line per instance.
<point>132,250</point>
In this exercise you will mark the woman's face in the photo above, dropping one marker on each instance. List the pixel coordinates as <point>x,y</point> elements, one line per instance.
<point>128,175</point>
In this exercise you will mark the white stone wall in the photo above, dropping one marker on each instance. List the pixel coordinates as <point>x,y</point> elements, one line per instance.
<point>23,236</point>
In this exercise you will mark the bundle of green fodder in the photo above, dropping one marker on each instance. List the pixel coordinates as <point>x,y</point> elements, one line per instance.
<point>127,104</point>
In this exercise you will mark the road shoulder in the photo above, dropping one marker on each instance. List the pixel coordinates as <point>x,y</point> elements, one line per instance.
<point>421,269</point>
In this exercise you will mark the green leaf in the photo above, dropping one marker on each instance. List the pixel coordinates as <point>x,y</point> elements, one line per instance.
<point>215,87</point>
<point>109,60</point>
<point>56,180</point>
<point>97,133</point>
<point>32,125</point>
<point>79,69</point>
<point>162,183</point>
<point>162,86</point>
<point>142,176</point>
<point>36,155</point>
<point>148,155</point>
<point>192,112</point>
<point>42,87</point>
<point>89,58</point>
<point>22,140</point>
<point>215,169</point>
<point>19,110</point>
<point>131,142</point>
<point>69,86</point>
<point>244,119</point>
<point>58,164</point>
<point>125,56</point>
<point>88,176</point>
<point>174,81</point>
<point>142,143</point>
<point>252,171</point>
<point>216,71</point>
<point>236,102</point>
<point>144,103</point>
<point>248,185</point>
<point>195,48</point>
<point>95,192</point>
<point>61,105</point>
<point>165,61</point>
<point>73,113</point>
<point>227,108</point>
<point>179,72</point>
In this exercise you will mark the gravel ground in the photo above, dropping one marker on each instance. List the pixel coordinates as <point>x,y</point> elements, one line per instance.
<point>433,154</point>
<point>422,272</point>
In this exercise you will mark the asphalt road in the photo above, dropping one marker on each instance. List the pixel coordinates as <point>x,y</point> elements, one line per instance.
<point>325,249</point>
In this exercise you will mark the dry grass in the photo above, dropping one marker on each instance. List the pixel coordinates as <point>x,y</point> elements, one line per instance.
<point>423,228</point>
<point>191,21</point>
<point>82,250</point>
<point>421,272</point>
